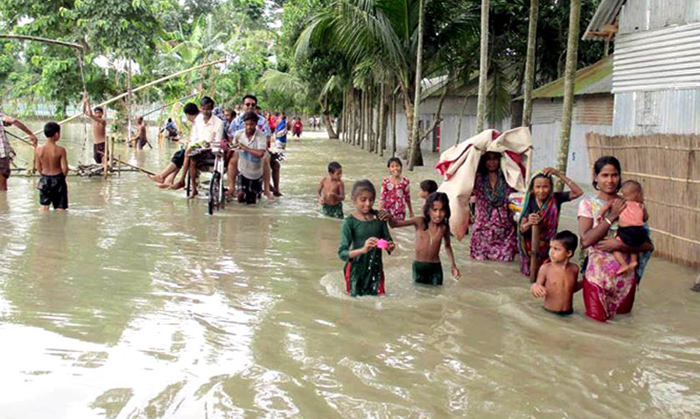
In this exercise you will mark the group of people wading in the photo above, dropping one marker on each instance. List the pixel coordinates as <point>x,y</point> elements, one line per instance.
<point>246,140</point>
<point>613,234</point>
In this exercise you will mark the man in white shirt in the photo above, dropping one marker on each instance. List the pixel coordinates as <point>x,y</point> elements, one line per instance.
<point>207,133</point>
<point>251,146</point>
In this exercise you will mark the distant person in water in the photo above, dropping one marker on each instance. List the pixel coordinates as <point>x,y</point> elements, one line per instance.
<point>166,178</point>
<point>297,128</point>
<point>431,229</point>
<point>396,196</point>
<point>331,191</point>
<point>140,139</point>
<point>6,151</point>
<point>362,238</point>
<point>99,128</point>
<point>171,129</point>
<point>52,164</point>
<point>557,280</point>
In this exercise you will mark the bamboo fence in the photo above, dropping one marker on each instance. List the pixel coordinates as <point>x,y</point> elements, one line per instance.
<point>668,167</point>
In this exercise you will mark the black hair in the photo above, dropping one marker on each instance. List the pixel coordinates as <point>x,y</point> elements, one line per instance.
<point>436,197</point>
<point>363,185</point>
<point>481,168</point>
<point>334,166</point>
<point>394,160</point>
<point>170,119</point>
<point>99,108</point>
<point>250,96</point>
<point>139,119</point>
<point>250,116</point>
<point>206,100</point>
<point>258,108</point>
<point>51,129</point>
<point>540,176</point>
<point>429,186</point>
<point>191,109</point>
<point>637,186</point>
<point>602,162</point>
<point>568,239</point>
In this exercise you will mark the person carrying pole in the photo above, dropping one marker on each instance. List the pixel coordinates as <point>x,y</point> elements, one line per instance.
<point>6,151</point>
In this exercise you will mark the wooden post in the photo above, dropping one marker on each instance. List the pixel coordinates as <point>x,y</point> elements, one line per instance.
<point>111,155</point>
<point>533,253</point>
<point>105,158</point>
<point>119,166</point>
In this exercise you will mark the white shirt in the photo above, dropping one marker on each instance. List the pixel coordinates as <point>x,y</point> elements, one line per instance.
<point>209,133</point>
<point>249,165</point>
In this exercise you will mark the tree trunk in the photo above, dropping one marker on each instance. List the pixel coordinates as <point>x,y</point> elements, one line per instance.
<point>327,121</point>
<point>483,66</point>
<point>530,62</point>
<point>393,124</point>
<point>415,137</point>
<point>461,117</point>
<point>383,119</point>
<point>363,119</point>
<point>128,102</point>
<point>569,78</point>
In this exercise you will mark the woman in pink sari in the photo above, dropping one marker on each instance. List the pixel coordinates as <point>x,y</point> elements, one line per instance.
<point>605,293</point>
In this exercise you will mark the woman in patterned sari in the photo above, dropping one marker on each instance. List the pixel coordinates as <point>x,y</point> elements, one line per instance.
<point>541,207</point>
<point>494,236</point>
<point>605,293</point>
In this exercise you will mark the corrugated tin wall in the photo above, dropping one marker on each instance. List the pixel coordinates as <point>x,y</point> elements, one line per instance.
<point>546,110</point>
<point>667,112</point>
<point>658,59</point>
<point>644,15</point>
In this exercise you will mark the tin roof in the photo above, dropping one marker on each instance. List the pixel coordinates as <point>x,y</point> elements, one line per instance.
<point>603,24</point>
<point>594,79</point>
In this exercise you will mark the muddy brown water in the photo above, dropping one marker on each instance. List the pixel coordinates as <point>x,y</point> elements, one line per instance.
<point>137,304</point>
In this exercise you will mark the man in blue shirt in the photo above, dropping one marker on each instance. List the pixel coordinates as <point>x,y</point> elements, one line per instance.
<point>271,167</point>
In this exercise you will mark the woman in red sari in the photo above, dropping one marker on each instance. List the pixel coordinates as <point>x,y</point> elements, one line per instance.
<point>605,293</point>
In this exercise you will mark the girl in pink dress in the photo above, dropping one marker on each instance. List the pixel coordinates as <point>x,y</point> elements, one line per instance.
<point>395,195</point>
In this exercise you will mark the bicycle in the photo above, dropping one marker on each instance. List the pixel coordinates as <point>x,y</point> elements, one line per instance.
<point>217,198</point>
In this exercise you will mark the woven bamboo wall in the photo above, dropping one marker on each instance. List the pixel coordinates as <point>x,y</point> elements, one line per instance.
<point>668,167</point>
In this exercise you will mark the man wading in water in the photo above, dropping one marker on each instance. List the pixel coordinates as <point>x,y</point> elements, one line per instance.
<point>271,167</point>
<point>6,151</point>
<point>99,128</point>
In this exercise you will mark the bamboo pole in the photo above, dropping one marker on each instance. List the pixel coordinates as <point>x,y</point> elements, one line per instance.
<point>169,104</point>
<point>148,172</point>
<point>105,159</point>
<point>44,40</point>
<point>414,142</point>
<point>533,253</point>
<point>483,66</point>
<point>147,85</point>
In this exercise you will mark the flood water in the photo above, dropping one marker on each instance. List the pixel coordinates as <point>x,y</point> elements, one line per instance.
<point>137,304</point>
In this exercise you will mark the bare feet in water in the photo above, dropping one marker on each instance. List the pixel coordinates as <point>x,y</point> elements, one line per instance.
<point>156,178</point>
<point>178,185</point>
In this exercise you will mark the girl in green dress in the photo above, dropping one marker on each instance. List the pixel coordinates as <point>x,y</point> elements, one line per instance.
<point>362,238</point>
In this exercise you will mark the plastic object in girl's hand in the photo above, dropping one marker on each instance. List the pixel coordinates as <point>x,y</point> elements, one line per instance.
<point>382,244</point>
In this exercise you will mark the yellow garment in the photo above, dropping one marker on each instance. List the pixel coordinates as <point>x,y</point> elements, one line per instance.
<point>459,163</point>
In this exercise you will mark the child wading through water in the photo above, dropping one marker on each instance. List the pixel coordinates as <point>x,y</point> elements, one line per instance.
<point>541,207</point>
<point>140,138</point>
<point>99,128</point>
<point>331,191</point>
<point>631,229</point>
<point>52,164</point>
<point>426,188</point>
<point>431,229</point>
<point>395,194</point>
<point>362,238</point>
<point>557,281</point>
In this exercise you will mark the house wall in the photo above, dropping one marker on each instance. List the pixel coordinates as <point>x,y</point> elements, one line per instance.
<point>592,113</point>
<point>656,74</point>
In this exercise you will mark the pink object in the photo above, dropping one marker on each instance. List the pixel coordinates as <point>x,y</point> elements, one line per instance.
<point>382,244</point>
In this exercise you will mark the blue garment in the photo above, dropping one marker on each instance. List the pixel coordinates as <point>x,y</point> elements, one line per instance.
<point>238,125</point>
<point>282,126</point>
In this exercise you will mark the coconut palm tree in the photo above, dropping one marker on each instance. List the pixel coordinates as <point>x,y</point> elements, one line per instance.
<point>386,31</point>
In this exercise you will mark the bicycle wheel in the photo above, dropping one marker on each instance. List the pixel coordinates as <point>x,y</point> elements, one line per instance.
<point>214,192</point>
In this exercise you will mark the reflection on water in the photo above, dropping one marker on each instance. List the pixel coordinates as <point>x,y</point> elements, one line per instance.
<point>136,304</point>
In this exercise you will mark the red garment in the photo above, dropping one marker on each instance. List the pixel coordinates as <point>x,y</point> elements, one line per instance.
<point>380,291</point>
<point>595,308</point>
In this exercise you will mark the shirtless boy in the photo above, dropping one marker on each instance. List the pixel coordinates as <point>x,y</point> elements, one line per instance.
<point>557,280</point>
<point>99,128</point>
<point>331,191</point>
<point>52,164</point>
<point>140,139</point>
<point>431,230</point>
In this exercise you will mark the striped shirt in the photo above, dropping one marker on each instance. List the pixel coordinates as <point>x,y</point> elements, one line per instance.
<point>6,150</point>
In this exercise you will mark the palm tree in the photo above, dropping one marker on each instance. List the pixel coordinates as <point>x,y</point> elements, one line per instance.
<point>530,62</point>
<point>386,32</point>
<point>569,78</point>
<point>483,66</point>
